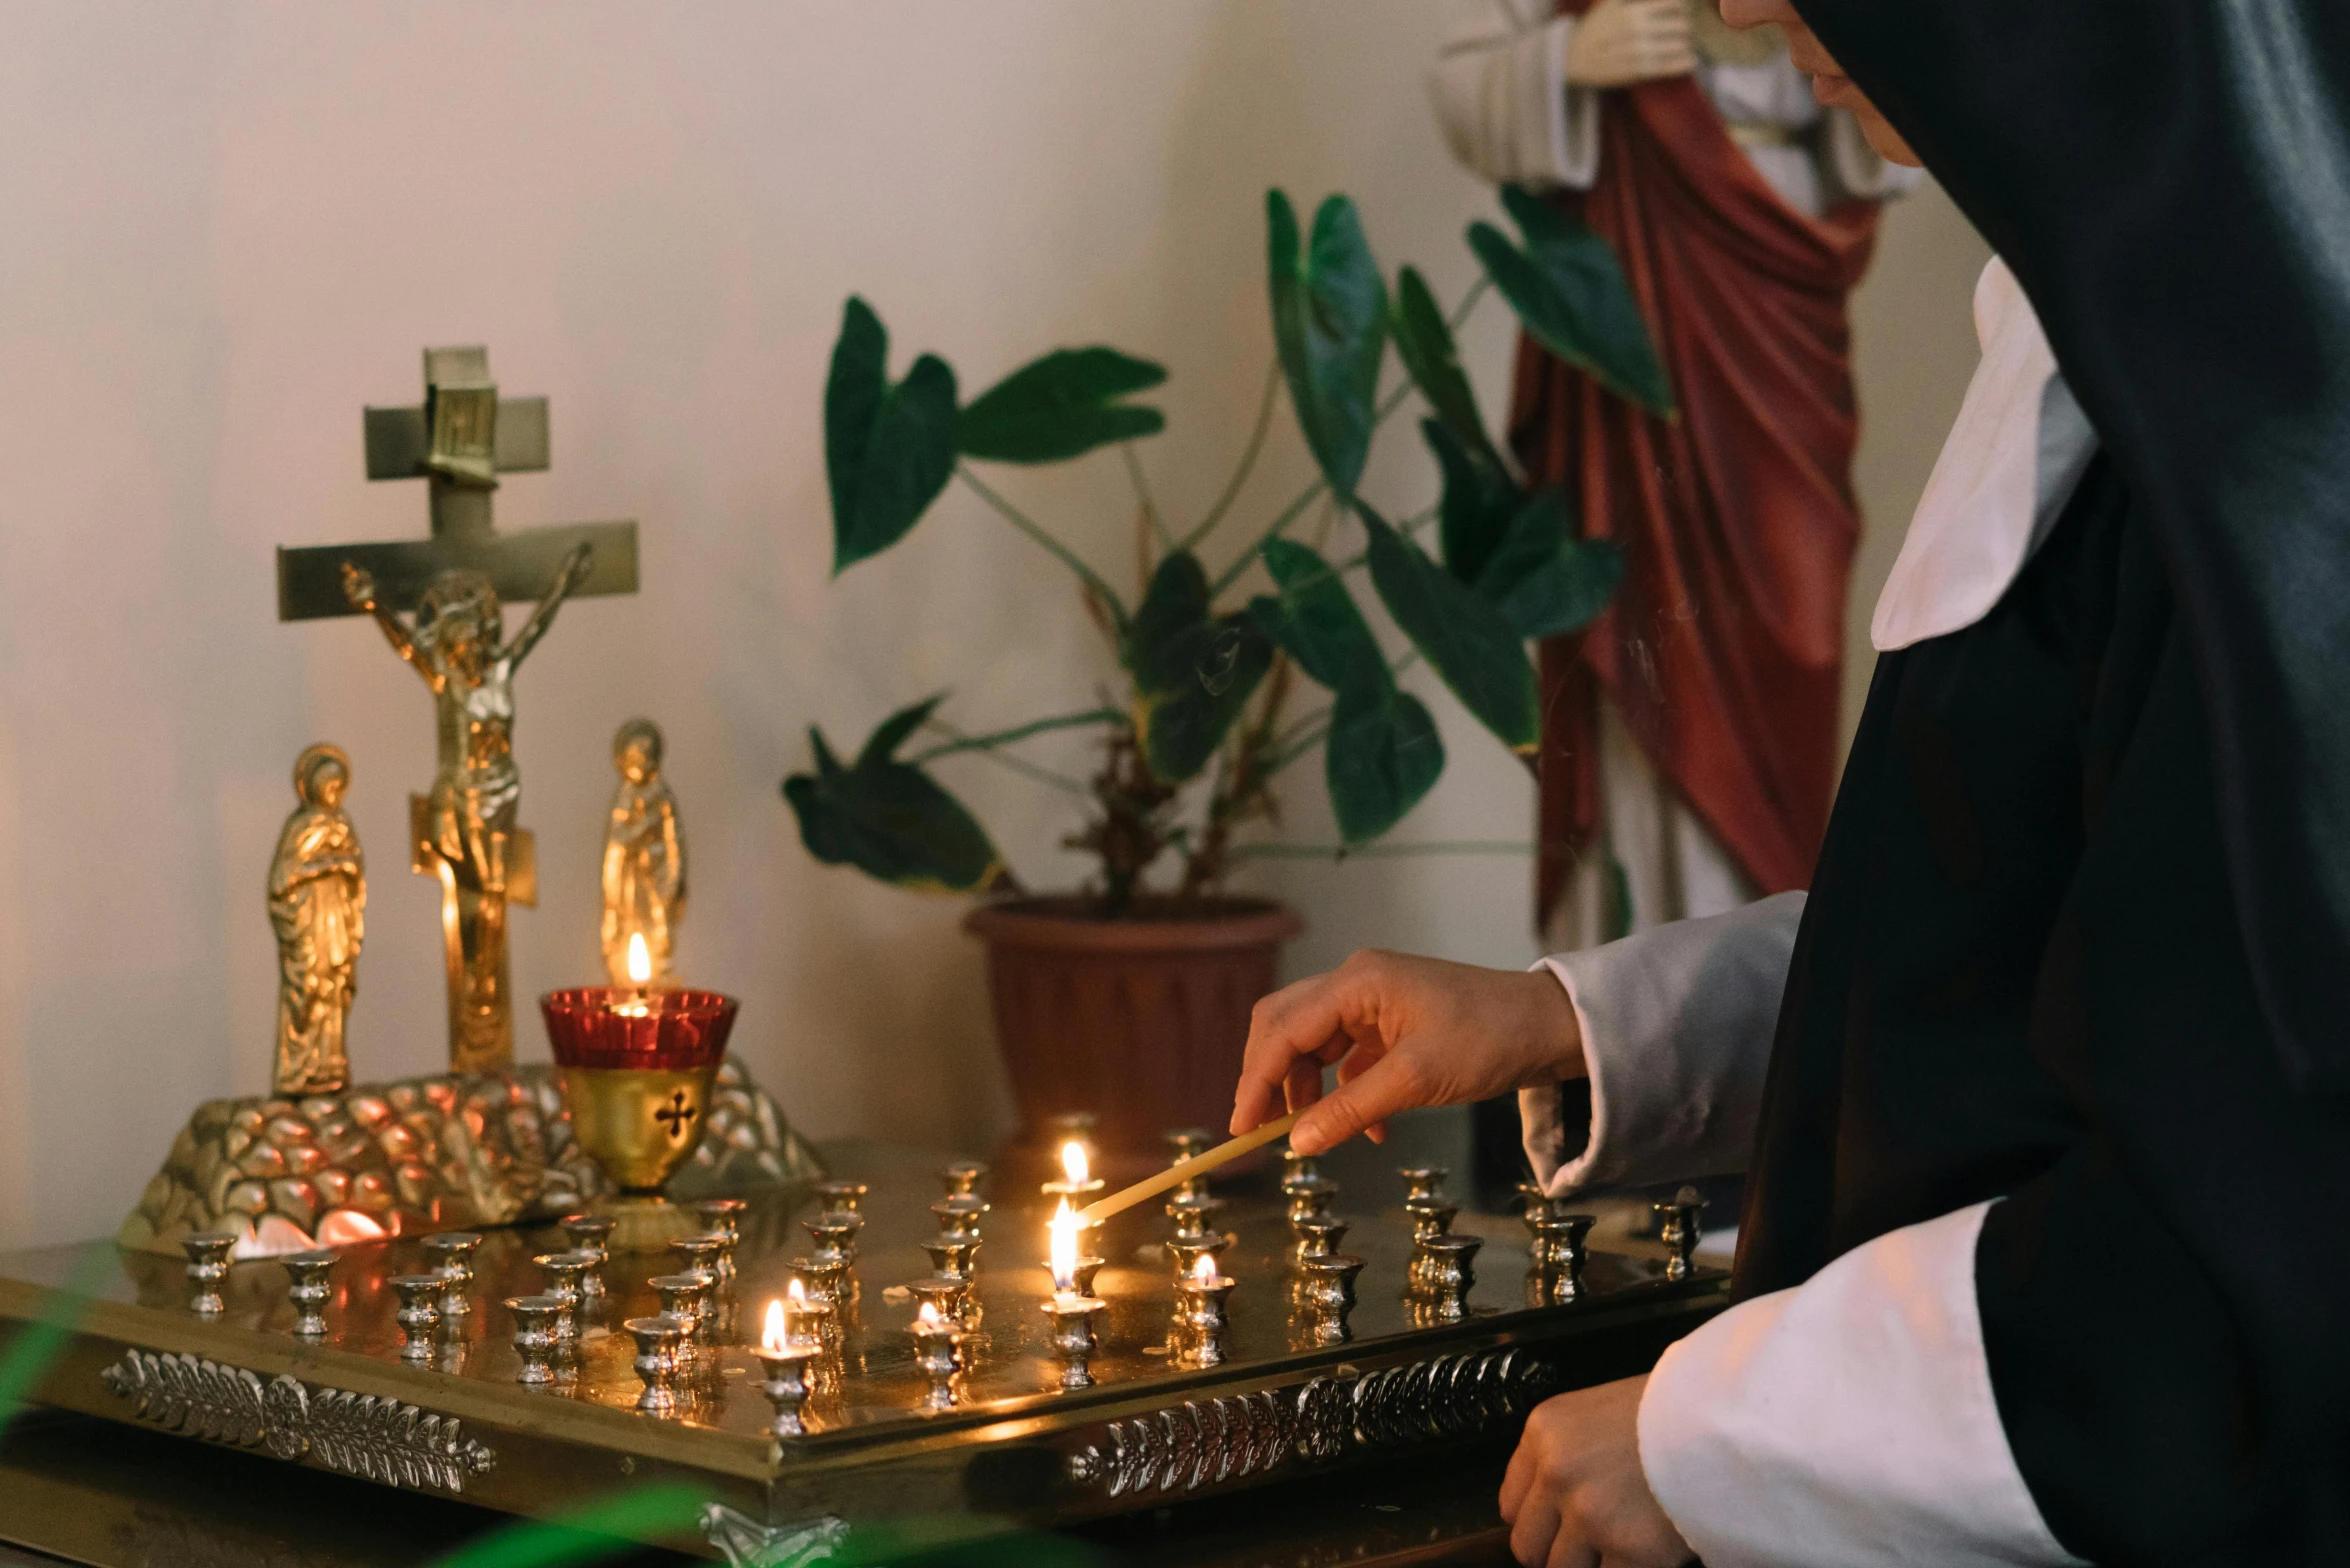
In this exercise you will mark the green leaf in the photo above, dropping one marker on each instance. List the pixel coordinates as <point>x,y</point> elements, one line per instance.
<point>1425,344</point>
<point>1469,644</point>
<point>1313,618</point>
<point>1193,673</point>
<point>888,450</point>
<point>888,818</point>
<point>1571,295</point>
<point>1383,754</point>
<point>1060,407</point>
<point>1545,580</point>
<point>1479,500</point>
<point>1329,326</point>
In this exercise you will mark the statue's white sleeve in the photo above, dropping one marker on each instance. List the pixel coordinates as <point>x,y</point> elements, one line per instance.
<point>1854,170</point>
<point>1677,1025</point>
<point>1501,95</point>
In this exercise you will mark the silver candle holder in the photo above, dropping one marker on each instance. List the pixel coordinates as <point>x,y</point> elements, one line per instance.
<point>564,1273</point>
<point>1444,1271</point>
<point>590,1233</point>
<point>961,1178</point>
<point>703,1254</point>
<point>1319,1237</point>
<point>1558,1255</point>
<point>538,1337</point>
<point>959,1211</point>
<point>450,1255</point>
<point>1195,1215</point>
<point>721,1216</point>
<point>1422,1181</point>
<point>1678,1228</point>
<point>1186,1254</point>
<point>419,1314</point>
<point>307,1290</point>
<point>788,1378</point>
<point>938,1353</point>
<point>1200,1319</point>
<point>819,1322</point>
<point>1295,1165</point>
<point>846,1196</point>
<point>208,1268</point>
<point>685,1297</point>
<point>824,1278</point>
<point>1186,1143</point>
<point>1430,1217</point>
<point>834,1233</point>
<point>954,1254</point>
<point>1326,1293</point>
<point>1073,1313</point>
<point>948,1297</point>
<point>1310,1196</point>
<point>660,1350</point>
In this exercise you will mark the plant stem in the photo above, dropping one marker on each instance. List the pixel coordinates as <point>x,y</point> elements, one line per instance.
<point>1061,552</point>
<point>1240,789</point>
<point>1248,460</point>
<point>1142,494</point>
<point>1021,732</point>
<point>1019,765</point>
<point>1378,851</point>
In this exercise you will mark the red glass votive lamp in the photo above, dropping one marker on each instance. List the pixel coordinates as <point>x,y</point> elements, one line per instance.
<point>638,1067</point>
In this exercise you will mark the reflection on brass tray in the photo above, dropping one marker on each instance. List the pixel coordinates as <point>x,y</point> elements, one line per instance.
<point>376,1439</point>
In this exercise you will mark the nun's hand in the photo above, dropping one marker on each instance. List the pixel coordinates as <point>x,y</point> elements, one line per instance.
<point>1575,1495</point>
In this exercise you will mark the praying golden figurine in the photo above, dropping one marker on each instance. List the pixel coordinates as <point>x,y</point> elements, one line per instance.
<point>644,857</point>
<point>317,902</point>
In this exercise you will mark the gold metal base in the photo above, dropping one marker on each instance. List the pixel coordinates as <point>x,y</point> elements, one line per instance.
<point>638,1123</point>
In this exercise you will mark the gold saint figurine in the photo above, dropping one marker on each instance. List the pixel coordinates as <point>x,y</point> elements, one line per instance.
<point>644,856</point>
<point>317,902</point>
<point>465,831</point>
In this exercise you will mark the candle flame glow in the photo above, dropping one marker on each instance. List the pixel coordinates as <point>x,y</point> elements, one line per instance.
<point>799,1297</point>
<point>640,961</point>
<point>1074,1164</point>
<point>1064,1249</point>
<point>775,1336</point>
<point>928,1317</point>
<point>1204,1271</point>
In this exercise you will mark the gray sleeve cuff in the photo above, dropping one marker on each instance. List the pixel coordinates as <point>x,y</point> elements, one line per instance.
<point>1507,112</point>
<point>1676,1026</point>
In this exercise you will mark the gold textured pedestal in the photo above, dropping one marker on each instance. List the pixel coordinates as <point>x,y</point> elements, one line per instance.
<point>447,1152</point>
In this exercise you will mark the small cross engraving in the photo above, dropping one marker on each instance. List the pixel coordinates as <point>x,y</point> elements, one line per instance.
<point>676,1115</point>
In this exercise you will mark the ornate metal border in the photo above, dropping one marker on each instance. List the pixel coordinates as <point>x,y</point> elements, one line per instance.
<point>1202,1442</point>
<point>376,1439</point>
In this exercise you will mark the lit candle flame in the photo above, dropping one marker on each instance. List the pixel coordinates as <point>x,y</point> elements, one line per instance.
<point>1074,1164</point>
<point>1204,1271</point>
<point>1064,1249</point>
<point>928,1317</point>
<point>776,1335</point>
<point>640,961</point>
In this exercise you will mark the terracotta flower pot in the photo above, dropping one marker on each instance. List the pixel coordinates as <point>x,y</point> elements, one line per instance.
<point>1139,1020</point>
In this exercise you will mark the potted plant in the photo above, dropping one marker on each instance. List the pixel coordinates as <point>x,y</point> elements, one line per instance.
<point>1129,998</point>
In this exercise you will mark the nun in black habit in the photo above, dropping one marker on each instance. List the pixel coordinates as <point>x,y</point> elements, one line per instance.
<point>2043,1091</point>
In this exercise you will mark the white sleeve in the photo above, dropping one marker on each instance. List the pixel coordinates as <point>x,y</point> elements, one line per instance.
<point>1501,95</point>
<point>1846,1422</point>
<point>1676,1025</point>
<point>1855,170</point>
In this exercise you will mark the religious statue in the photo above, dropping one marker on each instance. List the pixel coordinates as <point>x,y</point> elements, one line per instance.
<point>1689,735</point>
<point>317,903</point>
<point>644,857</point>
<point>465,830</point>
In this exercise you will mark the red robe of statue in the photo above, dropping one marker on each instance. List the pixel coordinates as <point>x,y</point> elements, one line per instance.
<point>1724,646</point>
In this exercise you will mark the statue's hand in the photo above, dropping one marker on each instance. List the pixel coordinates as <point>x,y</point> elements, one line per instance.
<point>1619,42</point>
<point>359,587</point>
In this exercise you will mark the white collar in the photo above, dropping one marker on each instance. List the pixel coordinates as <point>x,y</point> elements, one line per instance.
<point>2017,450</point>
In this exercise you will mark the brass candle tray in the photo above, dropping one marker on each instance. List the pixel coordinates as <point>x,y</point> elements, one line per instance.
<point>1284,1402</point>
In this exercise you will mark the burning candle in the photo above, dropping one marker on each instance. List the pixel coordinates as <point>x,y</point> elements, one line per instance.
<point>640,976</point>
<point>777,1332</point>
<point>1198,1339</point>
<point>1077,1177</point>
<point>1064,1250</point>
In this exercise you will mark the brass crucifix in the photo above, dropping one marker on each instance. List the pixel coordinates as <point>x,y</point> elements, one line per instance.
<point>464,833</point>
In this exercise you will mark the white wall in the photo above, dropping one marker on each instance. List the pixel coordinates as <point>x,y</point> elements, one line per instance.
<point>232,224</point>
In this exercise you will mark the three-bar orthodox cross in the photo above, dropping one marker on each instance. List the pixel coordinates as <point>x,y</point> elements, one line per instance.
<point>449,588</point>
